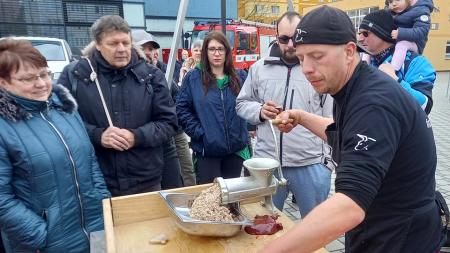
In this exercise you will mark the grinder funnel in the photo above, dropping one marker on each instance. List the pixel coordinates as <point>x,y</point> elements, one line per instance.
<point>262,169</point>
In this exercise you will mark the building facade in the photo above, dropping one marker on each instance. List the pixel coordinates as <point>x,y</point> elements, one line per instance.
<point>64,19</point>
<point>161,16</point>
<point>437,49</point>
<point>268,11</point>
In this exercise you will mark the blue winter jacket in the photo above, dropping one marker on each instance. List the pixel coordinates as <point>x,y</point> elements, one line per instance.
<point>210,119</point>
<point>417,77</point>
<point>414,23</point>
<point>51,186</point>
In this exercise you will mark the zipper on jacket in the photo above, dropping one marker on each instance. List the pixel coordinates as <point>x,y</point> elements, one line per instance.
<point>225,120</point>
<point>286,89</point>
<point>77,185</point>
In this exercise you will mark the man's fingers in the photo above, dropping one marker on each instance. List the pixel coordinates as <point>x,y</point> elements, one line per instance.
<point>117,145</point>
<point>121,140</point>
<point>282,121</point>
<point>285,128</point>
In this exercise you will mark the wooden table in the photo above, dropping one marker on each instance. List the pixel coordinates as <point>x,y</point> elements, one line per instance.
<point>131,221</point>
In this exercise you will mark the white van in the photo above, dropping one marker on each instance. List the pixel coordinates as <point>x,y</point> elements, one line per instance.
<point>56,51</point>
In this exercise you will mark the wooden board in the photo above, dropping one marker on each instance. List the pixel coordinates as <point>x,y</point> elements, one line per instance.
<point>133,220</point>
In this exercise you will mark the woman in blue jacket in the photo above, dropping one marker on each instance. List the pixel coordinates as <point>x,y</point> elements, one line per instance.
<point>206,110</point>
<point>51,186</point>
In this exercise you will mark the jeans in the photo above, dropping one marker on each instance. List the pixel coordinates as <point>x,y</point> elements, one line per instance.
<point>185,158</point>
<point>309,184</point>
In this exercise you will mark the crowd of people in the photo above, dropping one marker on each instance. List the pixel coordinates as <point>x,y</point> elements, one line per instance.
<point>111,126</point>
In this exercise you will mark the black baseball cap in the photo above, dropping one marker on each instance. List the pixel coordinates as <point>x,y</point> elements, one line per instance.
<point>325,25</point>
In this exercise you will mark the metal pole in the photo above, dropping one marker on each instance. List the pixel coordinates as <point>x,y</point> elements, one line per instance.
<point>223,14</point>
<point>176,40</point>
<point>290,5</point>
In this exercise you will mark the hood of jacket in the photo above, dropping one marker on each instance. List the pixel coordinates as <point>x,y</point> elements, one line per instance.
<point>425,3</point>
<point>88,51</point>
<point>15,108</point>
<point>274,57</point>
<point>82,70</point>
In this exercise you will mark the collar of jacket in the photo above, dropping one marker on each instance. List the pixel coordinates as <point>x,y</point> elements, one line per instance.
<point>137,66</point>
<point>274,57</point>
<point>15,108</point>
<point>383,55</point>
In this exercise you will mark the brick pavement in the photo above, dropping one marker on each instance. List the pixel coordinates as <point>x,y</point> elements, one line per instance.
<point>440,118</point>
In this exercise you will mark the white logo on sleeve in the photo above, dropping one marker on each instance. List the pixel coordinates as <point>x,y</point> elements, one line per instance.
<point>424,18</point>
<point>364,142</point>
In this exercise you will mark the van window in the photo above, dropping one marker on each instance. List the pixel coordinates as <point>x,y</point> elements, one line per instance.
<point>201,34</point>
<point>52,50</point>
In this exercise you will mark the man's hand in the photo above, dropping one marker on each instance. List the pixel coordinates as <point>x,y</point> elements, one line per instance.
<point>270,110</point>
<point>115,138</point>
<point>287,120</point>
<point>129,136</point>
<point>388,69</point>
<point>394,34</point>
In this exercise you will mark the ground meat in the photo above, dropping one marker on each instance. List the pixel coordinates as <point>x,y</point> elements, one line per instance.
<point>207,206</point>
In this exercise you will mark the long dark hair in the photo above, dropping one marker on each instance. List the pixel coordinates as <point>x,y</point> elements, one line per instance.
<point>208,77</point>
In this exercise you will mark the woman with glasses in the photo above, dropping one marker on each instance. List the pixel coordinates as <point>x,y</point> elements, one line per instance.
<point>206,110</point>
<point>51,186</point>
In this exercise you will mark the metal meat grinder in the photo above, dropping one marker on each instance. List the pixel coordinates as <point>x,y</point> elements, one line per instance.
<point>260,183</point>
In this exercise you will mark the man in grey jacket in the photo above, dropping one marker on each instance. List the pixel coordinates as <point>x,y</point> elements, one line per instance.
<point>276,83</point>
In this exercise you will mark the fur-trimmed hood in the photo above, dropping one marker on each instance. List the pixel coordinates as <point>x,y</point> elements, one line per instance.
<point>17,108</point>
<point>88,51</point>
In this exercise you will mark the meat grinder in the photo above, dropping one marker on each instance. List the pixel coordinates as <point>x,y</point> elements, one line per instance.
<point>260,183</point>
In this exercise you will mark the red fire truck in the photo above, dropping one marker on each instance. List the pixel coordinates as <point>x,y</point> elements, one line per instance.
<point>249,40</point>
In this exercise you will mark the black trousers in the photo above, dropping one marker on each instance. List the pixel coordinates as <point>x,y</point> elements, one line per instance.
<point>171,174</point>
<point>2,249</point>
<point>208,168</point>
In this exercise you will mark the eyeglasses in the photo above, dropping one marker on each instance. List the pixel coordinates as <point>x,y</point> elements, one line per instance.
<point>213,50</point>
<point>30,80</point>
<point>284,39</point>
<point>364,33</point>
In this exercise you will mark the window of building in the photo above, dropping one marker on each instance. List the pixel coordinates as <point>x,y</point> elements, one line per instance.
<point>447,50</point>
<point>434,26</point>
<point>89,13</point>
<point>275,9</point>
<point>259,8</point>
<point>134,14</point>
<point>356,16</point>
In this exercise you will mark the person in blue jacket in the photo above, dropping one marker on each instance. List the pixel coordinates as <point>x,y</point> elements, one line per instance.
<point>412,17</point>
<point>206,110</point>
<point>417,75</point>
<point>51,186</point>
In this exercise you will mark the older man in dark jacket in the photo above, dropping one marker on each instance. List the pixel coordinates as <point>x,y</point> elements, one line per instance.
<point>142,113</point>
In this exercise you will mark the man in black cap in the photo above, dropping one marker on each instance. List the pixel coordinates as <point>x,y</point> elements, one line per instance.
<point>383,144</point>
<point>417,75</point>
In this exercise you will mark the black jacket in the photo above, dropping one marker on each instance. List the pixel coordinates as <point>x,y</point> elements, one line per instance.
<point>383,142</point>
<point>138,100</point>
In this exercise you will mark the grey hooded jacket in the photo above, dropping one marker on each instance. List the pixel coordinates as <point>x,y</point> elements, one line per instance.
<point>270,79</point>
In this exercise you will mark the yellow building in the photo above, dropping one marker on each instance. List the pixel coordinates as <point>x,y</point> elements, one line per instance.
<point>437,49</point>
<point>268,11</point>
